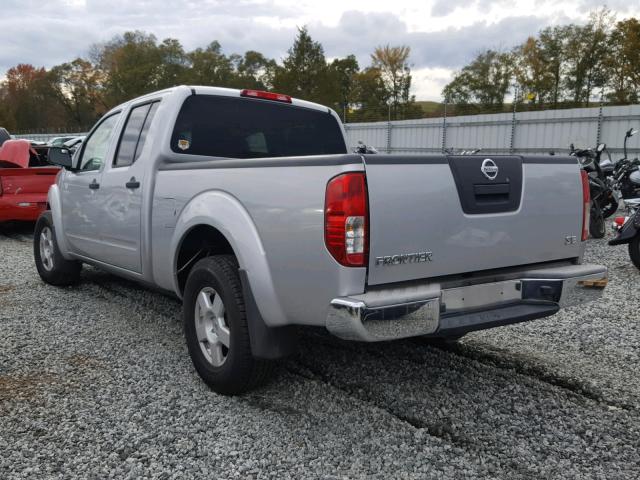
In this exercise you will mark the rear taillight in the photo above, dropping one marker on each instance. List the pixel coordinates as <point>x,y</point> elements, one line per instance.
<point>276,97</point>
<point>619,221</point>
<point>586,205</point>
<point>346,219</point>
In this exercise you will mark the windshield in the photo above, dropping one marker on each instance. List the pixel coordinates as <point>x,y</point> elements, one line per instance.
<point>235,127</point>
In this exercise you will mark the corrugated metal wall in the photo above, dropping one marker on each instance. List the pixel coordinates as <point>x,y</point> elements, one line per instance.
<point>522,132</point>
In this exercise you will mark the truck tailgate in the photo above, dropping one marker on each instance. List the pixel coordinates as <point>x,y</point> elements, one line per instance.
<point>441,215</point>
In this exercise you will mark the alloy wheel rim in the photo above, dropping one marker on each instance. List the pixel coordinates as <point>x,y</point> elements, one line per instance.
<point>46,248</point>
<point>211,326</point>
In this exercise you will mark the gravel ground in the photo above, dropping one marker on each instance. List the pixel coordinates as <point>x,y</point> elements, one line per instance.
<point>95,382</point>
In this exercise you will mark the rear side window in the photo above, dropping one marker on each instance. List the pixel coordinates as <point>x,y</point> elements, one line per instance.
<point>236,127</point>
<point>134,134</point>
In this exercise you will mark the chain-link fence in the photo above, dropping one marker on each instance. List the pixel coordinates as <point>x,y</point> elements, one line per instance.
<point>516,128</point>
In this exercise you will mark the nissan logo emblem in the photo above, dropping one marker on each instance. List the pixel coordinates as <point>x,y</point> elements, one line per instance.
<point>489,169</point>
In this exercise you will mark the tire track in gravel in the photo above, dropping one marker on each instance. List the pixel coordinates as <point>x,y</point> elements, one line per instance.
<point>504,360</point>
<point>437,430</point>
<point>521,408</point>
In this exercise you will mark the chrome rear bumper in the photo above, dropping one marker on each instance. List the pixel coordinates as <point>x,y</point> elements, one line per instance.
<point>427,309</point>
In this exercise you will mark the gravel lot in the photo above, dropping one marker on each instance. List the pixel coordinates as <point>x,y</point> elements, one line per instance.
<point>95,382</point>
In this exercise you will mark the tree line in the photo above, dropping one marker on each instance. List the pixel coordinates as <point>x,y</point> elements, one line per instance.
<point>570,64</point>
<point>73,95</point>
<point>567,65</point>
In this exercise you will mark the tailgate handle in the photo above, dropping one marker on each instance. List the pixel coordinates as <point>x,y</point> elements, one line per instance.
<point>497,193</point>
<point>495,189</point>
<point>94,185</point>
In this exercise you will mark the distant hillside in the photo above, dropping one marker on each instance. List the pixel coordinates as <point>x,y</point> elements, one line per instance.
<point>430,106</point>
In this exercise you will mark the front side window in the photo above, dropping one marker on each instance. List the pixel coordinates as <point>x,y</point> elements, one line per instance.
<point>235,127</point>
<point>96,146</point>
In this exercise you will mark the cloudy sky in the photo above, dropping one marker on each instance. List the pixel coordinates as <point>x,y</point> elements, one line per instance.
<point>443,34</point>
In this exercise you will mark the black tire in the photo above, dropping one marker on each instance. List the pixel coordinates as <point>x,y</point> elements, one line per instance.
<point>596,222</point>
<point>54,269</point>
<point>240,371</point>
<point>634,251</point>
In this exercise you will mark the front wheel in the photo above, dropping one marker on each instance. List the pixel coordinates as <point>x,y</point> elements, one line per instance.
<point>634,251</point>
<point>52,267</point>
<point>216,328</point>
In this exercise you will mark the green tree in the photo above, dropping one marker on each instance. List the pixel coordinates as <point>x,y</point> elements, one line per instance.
<point>623,62</point>
<point>7,118</point>
<point>131,65</point>
<point>534,71</point>
<point>392,63</point>
<point>77,86</point>
<point>371,97</point>
<point>343,74</point>
<point>254,70</point>
<point>586,49</point>
<point>29,97</point>
<point>552,43</point>
<point>303,73</point>
<point>210,66</point>
<point>485,81</point>
<point>173,66</point>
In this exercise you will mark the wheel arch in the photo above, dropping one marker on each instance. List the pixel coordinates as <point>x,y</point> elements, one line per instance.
<point>222,220</point>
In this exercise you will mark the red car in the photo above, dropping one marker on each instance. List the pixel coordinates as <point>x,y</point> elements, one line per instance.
<point>25,178</point>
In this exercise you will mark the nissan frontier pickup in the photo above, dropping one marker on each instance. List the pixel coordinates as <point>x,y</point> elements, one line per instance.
<point>248,206</point>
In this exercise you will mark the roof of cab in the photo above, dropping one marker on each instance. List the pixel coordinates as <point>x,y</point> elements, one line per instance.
<point>222,91</point>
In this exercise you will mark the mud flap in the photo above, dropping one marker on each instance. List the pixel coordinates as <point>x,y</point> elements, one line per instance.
<point>267,343</point>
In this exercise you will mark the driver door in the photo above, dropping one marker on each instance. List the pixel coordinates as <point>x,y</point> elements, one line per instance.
<point>81,198</point>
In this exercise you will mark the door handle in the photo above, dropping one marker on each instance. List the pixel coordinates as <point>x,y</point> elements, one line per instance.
<point>132,183</point>
<point>94,185</point>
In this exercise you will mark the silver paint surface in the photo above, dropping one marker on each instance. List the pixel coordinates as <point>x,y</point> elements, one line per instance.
<point>273,217</point>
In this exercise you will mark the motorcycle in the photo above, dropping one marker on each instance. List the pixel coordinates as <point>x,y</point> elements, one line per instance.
<point>603,200</point>
<point>625,175</point>
<point>364,149</point>
<point>628,230</point>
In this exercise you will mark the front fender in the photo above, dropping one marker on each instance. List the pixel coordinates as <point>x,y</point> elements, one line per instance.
<point>55,204</point>
<point>225,213</point>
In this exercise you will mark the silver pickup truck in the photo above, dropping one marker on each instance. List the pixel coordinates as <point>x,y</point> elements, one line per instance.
<point>248,207</point>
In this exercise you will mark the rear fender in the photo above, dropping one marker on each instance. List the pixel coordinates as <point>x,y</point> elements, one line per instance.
<point>225,213</point>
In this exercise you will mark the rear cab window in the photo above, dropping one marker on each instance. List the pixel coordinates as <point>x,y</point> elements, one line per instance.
<point>134,134</point>
<point>236,127</point>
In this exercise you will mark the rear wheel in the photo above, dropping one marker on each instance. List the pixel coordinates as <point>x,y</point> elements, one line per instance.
<point>634,251</point>
<point>52,267</point>
<point>216,328</point>
<point>596,222</point>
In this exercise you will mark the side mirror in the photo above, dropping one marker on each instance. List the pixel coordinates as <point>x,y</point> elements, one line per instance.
<point>61,156</point>
<point>600,148</point>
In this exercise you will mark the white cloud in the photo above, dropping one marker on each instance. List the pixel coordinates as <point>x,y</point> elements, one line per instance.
<point>443,34</point>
